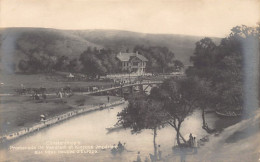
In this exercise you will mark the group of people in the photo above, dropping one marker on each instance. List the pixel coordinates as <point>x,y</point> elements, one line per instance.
<point>153,158</point>
<point>193,143</point>
<point>63,93</point>
<point>37,96</point>
<point>119,149</point>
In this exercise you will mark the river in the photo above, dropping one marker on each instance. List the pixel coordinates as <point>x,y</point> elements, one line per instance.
<point>88,130</point>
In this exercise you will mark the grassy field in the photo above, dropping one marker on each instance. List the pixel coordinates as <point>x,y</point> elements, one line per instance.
<point>21,111</point>
<point>51,82</point>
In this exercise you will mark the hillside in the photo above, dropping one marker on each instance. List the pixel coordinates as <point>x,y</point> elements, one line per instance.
<point>16,43</point>
<point>181,45</point>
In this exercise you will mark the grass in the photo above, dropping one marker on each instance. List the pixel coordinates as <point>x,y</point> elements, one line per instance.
<point>51,82</point>
<point>21,111</point>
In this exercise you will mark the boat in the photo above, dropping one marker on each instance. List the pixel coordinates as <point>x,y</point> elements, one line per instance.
<point>115,128</point>
<point>229,113</point>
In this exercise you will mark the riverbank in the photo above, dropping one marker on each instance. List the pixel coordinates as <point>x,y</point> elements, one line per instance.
<point>238,142</point>
<point>56,119</point>
<point>20,112</point>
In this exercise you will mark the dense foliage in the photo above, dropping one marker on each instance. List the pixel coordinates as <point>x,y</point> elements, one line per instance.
<point>142,113</point>
<point>96,62</point>
<point>99,62</point>
<point>160,59</point>
<point>226,65</point>
<point>169,103</point>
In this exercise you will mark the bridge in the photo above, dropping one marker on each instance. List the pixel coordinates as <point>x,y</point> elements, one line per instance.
<point>130,86</point>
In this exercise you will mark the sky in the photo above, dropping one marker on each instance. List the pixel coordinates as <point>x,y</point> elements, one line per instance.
<point>189,17</point>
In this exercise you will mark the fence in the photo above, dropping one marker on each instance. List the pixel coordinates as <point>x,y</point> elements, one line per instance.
<point>55,119</point>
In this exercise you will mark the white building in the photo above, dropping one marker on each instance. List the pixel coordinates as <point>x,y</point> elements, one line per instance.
<point>132,62</point>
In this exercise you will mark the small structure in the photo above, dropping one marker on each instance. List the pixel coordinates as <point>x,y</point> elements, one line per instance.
<point>132,62</point>
<point>43,118</point>
<point>70,76</point>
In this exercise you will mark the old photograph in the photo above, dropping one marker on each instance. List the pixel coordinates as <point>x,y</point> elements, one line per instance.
<point>129,81</point>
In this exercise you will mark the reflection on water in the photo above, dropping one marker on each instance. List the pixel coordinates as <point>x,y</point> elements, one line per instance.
<point>89,130</point>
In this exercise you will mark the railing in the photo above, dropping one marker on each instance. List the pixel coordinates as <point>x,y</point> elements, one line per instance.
<point>127,75</point>
<point>121,86</point>
<point>54,120</point>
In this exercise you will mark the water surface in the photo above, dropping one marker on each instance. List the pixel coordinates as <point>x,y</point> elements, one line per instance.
<point>89,130</point>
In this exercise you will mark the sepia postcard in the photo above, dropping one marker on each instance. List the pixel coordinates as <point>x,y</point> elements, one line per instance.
<point>129,80</point>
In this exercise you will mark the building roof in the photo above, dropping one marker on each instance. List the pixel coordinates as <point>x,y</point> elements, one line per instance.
<point>128,56</point>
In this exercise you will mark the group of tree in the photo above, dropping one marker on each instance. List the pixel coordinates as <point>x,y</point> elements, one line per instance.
<point>160,59</point>
<point>92,62</point>
<point>42,62</point>
<point>168,104</point>
<point>96,62</point>
<point>99,62</point>
<point>215,80</point>
<point>228,67</point>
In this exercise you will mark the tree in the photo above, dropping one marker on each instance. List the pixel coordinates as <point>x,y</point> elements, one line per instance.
<point>178,102</point>
<point>62,63</point>
<point>142,113</point>
<point>204,98</point>
<point>99,62</point>
<point>75,65</point>
<point>178,65</point>
<point>217,72</point>
<point>92,65</point>
<point>23,65</point>
<point>203,59</point>
<point>223,67</point>
<point>160,59</point>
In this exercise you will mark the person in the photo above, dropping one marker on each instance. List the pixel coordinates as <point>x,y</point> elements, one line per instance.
<point>195,145</point>
<point>159,152</point>
<point>108,99</point>
<point>198,144</point>
<point>43,117</point>
<point>60,94</point>
<point>120,147</point>
<point>33,95</point>
<point>124,146</point>
<point>191,140</point>
<point>138,159</point>
<point>152,157</point>
<point>44,96</point>
<point>147,159</point>
<point>113,150</point>
<point>37,97</point>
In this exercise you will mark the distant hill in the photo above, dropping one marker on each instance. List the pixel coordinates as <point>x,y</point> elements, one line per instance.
<point>182,45</point>
<point>16,43</point>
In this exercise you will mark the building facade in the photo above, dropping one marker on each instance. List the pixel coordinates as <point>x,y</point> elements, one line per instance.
<point>132,63</point>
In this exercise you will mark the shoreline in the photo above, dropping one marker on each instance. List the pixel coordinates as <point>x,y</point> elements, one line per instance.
<point>56,119</point>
